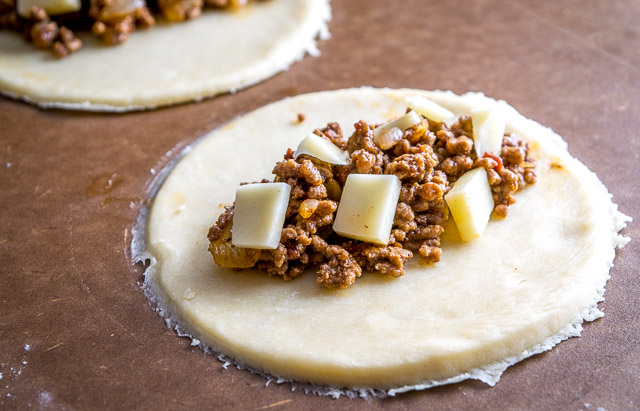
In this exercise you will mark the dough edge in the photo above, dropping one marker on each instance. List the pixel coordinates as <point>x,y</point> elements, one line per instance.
<point>489,374</point>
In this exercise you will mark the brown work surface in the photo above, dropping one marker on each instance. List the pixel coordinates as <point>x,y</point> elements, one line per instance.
<point>77,332</point>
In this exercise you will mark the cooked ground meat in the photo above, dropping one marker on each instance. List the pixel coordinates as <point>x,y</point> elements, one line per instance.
<point>388,259</point>
<point>43,32</point>
<point>507,173</point>
<point>340,269</point>
<point>115,30</point>
<point>428,160</point>
<point>55,32</point>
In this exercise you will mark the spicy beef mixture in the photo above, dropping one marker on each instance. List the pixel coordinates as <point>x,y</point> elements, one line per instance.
<point>110,20</point>
<point>428,160</point>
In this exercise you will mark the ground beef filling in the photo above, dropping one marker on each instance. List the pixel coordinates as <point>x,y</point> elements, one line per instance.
<point>98,16</point>
<point>428,160</point>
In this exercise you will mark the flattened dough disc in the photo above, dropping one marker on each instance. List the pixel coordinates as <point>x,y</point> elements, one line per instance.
<point>525,285</point>
<point>169,63</point>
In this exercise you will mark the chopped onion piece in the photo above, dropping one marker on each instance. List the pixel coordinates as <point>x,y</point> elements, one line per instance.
<point>429,109</point>
<point>389,138</point>
<point>120,8</point>
<point>52,7</point>
<point>323,149</point>
<point>225,254</point>
<point>407,121</point>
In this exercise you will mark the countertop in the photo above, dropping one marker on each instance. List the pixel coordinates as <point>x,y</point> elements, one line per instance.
<point>76,331</point>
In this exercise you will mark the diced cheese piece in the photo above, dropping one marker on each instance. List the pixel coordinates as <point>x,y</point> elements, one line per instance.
<point>431,110</point>
<point>52,7</point>
<point>323,149</point>
<point>367,207</point>
<point>259,215</point>
<point>404,122</point>
<point>471,203</point>
<point>488,129</point>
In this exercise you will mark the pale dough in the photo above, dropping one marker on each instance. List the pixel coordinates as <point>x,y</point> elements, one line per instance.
<point>525,285</point>
<point>220,51</point>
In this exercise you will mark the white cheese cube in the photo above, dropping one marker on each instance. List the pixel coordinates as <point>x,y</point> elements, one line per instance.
<point>367,207</point>
<point>431,110</point>
<point>259,215</point>
<point>488,129</point>
<point>471,203</point>
<point>404,122</point>
<point>323,149</point>
<point>52,7</point>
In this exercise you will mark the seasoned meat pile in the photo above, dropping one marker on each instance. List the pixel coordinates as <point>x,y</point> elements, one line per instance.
<point>427,159</point>
<point>110,20</point>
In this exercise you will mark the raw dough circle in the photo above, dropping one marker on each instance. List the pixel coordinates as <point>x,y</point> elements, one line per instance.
<point>169,63</point>
<point>525,285</point>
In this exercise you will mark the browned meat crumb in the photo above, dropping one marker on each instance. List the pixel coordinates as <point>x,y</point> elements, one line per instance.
<point>386,259</point>
<point>116,30</point>
<point>518,170</point>
<point>47,34</point>
<point>217,230</point>
<point>333,132</point>
<point>428,159</point>
<point>314,214</point>
<point>301,117</point>
<point>340,269</point>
